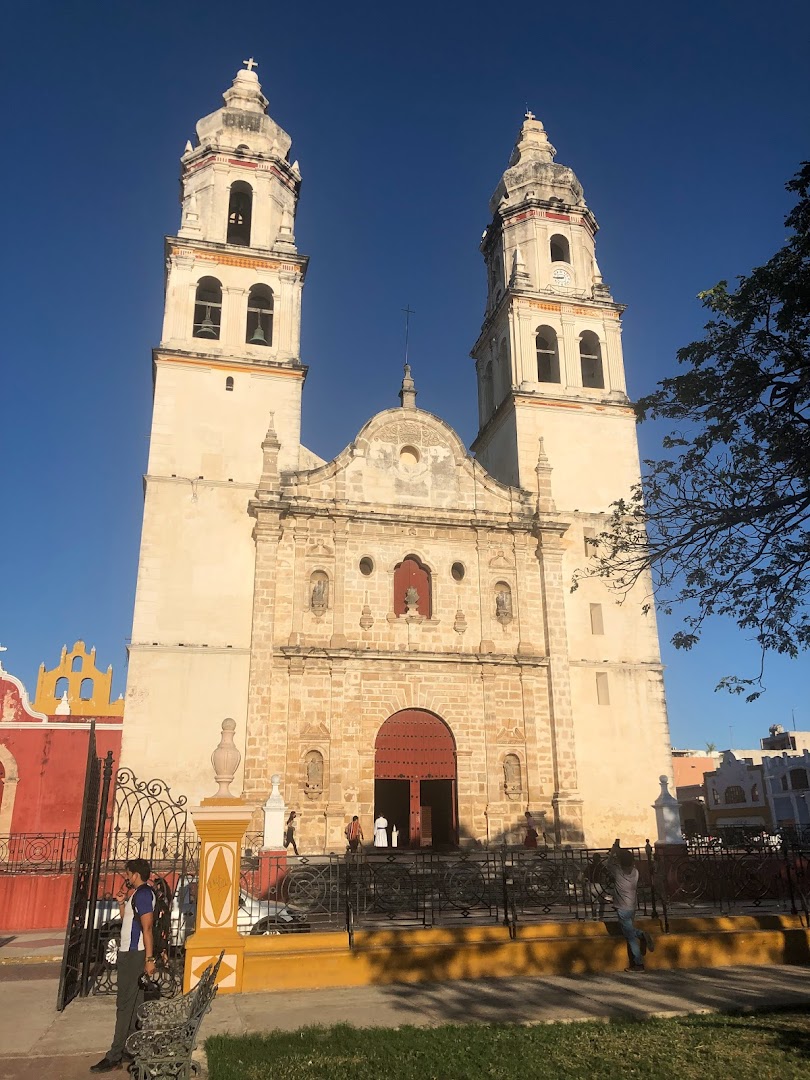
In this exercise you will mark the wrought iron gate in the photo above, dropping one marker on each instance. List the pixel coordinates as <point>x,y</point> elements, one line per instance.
<point>145,822</point>
<point>77,955</point>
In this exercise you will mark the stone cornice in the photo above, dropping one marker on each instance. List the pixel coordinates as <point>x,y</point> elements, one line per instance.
<point>361,654</point>
<point>283,368</point>
<point>230,650</point>
<point>396,517</point>
<point>236,255</point>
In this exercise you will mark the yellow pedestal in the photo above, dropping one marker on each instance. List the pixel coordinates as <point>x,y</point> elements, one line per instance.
<point>221,825</point>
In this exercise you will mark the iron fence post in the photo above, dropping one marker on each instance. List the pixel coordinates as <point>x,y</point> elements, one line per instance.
<point>651,858</point>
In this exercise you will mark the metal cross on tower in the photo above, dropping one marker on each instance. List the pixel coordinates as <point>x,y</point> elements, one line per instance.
<point>250,64</point>
<point>408,312</point>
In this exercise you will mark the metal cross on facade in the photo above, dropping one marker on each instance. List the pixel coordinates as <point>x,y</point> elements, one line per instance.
<point>408,312</point>
<point>250,64</point>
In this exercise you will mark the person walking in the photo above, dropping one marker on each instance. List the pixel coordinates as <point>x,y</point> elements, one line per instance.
<point>135,958</point>
<point>289,831</point>
<point>354,833</point>
<point>381,832</point>
<point>530,839</point>
<point>624,887</point>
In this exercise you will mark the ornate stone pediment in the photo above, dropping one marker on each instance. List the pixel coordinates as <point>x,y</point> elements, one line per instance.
<point>316,731</point>
<point>510,735</point>
<point>500,562</point>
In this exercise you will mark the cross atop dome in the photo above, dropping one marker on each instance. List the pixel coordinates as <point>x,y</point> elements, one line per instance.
<point>529,115</point>
<point>250,64</point>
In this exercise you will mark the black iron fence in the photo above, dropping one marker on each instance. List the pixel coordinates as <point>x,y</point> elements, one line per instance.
<point>282,894</point>
<point>38,853</point>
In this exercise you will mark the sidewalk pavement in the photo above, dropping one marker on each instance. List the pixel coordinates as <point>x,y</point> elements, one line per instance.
<point>37,1041</point>
<point>31,946</point>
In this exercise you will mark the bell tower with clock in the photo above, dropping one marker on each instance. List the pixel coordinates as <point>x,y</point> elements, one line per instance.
<point>552,396</point>
<point>551,334</point>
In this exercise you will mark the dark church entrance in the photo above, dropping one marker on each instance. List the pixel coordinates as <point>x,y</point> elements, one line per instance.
<point>415,779</point>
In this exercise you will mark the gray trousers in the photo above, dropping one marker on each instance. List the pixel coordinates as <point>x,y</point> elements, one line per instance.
<point>128,998</point>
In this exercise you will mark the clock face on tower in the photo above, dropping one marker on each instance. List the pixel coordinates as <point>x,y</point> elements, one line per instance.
<point>561,277</point>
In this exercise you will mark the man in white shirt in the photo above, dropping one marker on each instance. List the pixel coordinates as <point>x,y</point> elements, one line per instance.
<point>135,957</point>
<point>624,886</point>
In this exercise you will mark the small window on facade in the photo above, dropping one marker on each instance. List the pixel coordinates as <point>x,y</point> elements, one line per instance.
<point>412,588</point>
<point>589,549</point>
<point>602,688</point>
<point>86,689</point>
<point>458,571</point>
<point>77,664</point>
<point>229,383</point>
<point>755,793</point>
<point>259,330</point>
<point>240,209</point>
<point>715,797</point>
<point>798,779</point>
<point>366,566</point>
<point>208,308</point>
<point>548,355</point>
<point>590,358</point>
<point>597,626</point>
<point>560,251</point>
<point>734,795</point>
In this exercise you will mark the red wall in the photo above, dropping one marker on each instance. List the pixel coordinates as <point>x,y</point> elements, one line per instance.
<point>34,901</point>
<point>51,766</point>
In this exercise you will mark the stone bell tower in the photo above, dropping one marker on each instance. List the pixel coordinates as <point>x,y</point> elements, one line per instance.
<point>227,360</point>
<point>549,366</point>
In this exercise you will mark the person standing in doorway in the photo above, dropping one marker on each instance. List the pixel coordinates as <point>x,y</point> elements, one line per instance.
<point>381,832</point>
<point>290,830</point>
<point>354,833</point>
<point>624,887</point>
<point>135,958</point>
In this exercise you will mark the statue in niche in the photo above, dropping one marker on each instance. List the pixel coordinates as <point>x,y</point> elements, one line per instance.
<point>411,601</point>
<point>318,597</point>
<point>503,605</point>
<point>512,783</point>
<point>314,766</point>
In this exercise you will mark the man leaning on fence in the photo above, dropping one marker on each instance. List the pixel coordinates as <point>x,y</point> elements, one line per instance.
<point>624,888</point>
<point>135,958</point>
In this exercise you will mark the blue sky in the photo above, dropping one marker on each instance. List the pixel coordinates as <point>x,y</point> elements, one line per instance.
<point>682,120</point>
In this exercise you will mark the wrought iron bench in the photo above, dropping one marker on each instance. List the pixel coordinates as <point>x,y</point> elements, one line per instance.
<point>167,1035</point>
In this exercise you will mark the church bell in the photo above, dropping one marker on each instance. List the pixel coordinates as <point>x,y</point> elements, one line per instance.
<point>258,336</point>
<point>207,328</point>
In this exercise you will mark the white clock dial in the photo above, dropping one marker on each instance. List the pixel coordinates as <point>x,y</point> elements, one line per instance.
<point>561,277</point>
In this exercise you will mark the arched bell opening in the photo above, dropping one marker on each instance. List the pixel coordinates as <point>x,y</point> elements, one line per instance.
<point>415,781</point>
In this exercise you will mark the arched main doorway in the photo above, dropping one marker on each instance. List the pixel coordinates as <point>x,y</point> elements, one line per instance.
<point>415,778</point>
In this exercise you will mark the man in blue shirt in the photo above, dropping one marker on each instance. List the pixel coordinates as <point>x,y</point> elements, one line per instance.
<point>135,956</point>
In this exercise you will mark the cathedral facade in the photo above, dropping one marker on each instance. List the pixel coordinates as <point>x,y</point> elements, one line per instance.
<point>392,630</point>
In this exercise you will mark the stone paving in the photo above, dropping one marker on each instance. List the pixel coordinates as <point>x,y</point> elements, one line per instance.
<point>36,1041</point>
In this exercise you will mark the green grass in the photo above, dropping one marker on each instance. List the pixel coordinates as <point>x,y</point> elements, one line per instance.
<point>689,1048</point>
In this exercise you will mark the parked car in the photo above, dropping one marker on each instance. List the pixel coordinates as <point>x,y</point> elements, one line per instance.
<point>258,917</point>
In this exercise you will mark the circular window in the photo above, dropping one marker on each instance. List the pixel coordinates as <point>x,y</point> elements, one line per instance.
<point>409,457</point>
<point>366,566</point>
<point>458,571</point>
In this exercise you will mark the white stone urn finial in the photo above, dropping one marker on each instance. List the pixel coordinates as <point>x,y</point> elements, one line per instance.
<point>225,760</point>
